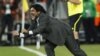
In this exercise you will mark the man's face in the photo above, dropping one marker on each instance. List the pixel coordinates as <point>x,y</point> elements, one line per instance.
<point>98,1</point>
<point>34,13</point>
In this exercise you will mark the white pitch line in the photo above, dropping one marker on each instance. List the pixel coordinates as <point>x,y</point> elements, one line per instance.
<point>32,51</point>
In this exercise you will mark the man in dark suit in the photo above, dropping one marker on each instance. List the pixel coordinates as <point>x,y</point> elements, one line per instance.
<point>53,30</point>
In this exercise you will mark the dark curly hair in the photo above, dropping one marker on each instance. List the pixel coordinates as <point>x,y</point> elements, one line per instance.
<point>38,7</point>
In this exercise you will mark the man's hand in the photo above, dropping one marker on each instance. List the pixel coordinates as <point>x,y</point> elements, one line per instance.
<point>15,33</point>
<point>75,1</point>
<point>24,31</point>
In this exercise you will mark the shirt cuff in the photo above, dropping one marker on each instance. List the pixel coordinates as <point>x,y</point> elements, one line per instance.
<point>22,35</point>
<point>30,32</point>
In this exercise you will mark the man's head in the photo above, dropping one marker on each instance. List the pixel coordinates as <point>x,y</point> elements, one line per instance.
<point>98,1</point>
<point>36,9</point>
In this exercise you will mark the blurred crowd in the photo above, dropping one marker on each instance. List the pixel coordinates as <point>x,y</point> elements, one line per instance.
<point>11,17</point>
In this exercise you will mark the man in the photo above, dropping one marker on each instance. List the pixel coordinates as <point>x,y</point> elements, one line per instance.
<point>88,16</point>
<point>97,20</point>
<point>53,30</point>
<point>75,8</point>
<point>8,12</point>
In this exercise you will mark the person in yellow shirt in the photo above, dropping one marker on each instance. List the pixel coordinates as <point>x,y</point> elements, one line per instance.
<point>75,8</point>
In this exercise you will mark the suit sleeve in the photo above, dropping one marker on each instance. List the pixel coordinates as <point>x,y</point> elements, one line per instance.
<point>32,25</point>
<point>43,22</point>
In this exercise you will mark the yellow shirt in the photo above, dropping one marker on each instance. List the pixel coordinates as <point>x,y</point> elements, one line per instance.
<point>75,9</point>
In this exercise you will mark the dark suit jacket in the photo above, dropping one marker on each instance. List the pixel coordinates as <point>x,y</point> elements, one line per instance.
<point>52,29</point>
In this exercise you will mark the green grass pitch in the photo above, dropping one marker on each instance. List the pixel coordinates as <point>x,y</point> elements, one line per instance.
<point>91,50</point>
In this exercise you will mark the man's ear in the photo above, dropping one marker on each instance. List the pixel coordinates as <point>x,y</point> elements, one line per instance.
<point>75,1</point>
